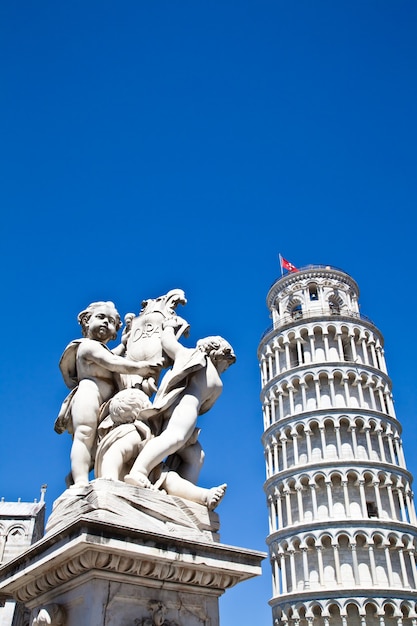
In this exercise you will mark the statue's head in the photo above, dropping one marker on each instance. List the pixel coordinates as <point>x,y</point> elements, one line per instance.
<point>126,405</point>
<point>218,349</point>
<point>95,308</point>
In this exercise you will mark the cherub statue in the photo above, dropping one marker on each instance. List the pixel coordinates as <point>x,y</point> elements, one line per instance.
<point>187,391</point>
<point>122,435</point>
<point>92,371</point>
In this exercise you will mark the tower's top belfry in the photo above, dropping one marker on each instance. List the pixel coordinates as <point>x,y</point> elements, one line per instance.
<point>312,291</point>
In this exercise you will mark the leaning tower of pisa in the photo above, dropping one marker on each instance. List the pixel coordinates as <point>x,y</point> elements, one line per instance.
<point>342,523</point>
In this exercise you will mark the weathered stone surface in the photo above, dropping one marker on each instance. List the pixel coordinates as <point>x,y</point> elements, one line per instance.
<point>101,572</point>
<point>135,508</point>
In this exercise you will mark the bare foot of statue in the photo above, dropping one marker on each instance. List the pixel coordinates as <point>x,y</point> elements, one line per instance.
<point>139,480</point>
<point>215,496</point>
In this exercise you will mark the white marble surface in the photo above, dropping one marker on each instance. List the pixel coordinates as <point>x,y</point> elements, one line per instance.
<point>101,567</point>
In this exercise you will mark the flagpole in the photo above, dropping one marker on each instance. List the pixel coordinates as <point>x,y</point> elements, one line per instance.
<point>280,263</point>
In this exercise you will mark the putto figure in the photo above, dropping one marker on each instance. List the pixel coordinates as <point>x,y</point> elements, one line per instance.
<point>122,434</point>
<point>117,429</point>
<point>188,390</point>
<point>92,371</point>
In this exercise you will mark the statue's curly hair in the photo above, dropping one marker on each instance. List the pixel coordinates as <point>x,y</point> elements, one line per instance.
<point>217,348</point>
<point>128,403</point>
<point>85,315</point>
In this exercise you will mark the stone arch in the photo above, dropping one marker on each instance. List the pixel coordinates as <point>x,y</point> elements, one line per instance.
<point>391,611</point>
<point>355,505</point>
<point>333,612</point>
<point>346,437</point>
<point>346,344</point>
<point>326,401</point>
<point>339,388</point>
<point>319,479</point>
<point>335,302</point>
<point>15,533</point>
<point>408,541</point>
<point>301,610</point>
<point>353,611</point>
<point>305,341</point>
<point>328,565</point>
<point>338,495</point>
<point>362,555</point>
<point>308,380</point>
<point>380,541</point>
<point>371,611</point>
<point>297,395</point>
<point>394,541</point>
<point>364,441</point>
<point>284,392</point>
<point>333,343</point>
<point>354,399</point>
<point>328,424</point>
<point>294,307</point>
<point>291,342</point>
<point>295,379</point>
<point>408,609</point>
<point>315,439</point>
<point>312,287</point>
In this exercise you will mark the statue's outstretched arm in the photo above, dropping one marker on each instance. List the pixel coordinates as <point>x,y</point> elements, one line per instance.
<point>170,344</point>
<point>107,359</point>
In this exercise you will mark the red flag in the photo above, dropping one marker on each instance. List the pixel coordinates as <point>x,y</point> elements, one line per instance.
<point>287,265</point>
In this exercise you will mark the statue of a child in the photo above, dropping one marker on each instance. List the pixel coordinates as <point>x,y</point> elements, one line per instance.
<point>123,433</point>
<point>91,369</point>
<point>187,391</point>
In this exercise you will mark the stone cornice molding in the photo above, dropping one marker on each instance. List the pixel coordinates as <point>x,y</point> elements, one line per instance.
<point>326,597</point>
<point>333,528</point>
<point>89,548</point>
<point>344,368</point>
<point>336,466</point>
<point>318,415</point>
<point>312,320</point>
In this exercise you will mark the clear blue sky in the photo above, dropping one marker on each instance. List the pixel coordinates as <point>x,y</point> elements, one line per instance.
<point>152,145</point>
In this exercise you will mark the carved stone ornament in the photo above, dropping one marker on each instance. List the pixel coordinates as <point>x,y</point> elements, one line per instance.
<point>157,612</point>
<point>144,342</point>
<point>50,615</point>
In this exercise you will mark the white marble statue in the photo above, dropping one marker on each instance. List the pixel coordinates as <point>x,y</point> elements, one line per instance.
<point>116,428</point>
<point>188,390</point>
<point>123,433</point>
<point>91,369</point>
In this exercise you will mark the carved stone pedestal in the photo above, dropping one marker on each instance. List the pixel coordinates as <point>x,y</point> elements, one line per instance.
<point>116,555</point>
